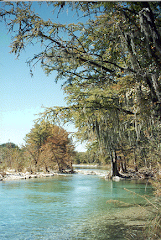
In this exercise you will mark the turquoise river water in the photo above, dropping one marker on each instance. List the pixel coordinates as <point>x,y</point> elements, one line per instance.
<point>70,207</point>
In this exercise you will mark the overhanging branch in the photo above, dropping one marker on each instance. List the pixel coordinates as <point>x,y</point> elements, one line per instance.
<point>76,55</point>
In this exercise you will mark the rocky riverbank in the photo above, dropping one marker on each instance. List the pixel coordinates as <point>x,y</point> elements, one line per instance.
<point>130,174</point>
<point>10,174</point>
<point>101,173</point>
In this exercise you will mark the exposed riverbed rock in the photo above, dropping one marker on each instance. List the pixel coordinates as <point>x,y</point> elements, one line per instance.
<point>11,175</point>
<point>141,174</point>
<point>102,173</point>
<point>130,174</point>
<point>133,175</point>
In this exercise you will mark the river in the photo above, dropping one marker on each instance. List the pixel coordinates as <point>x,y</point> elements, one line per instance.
<point>74,206</point>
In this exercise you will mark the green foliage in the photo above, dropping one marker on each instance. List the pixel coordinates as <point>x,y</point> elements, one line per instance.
<point>11,156</point>
<point>88,157</point>
<point>8,145</point>
<point>80,158</point>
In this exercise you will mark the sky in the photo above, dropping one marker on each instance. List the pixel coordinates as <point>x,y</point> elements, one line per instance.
<point>24,96</point>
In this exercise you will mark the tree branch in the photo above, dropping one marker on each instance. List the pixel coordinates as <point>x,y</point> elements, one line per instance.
<point>81,58</point>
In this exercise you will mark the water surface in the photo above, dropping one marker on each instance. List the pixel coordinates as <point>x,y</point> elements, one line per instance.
<point>70,207</point>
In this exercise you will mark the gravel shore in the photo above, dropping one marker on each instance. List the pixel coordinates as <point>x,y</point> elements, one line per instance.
<point>10,174</point>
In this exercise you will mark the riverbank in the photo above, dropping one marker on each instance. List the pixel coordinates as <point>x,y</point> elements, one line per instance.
<point>142,174</point>
<point>10,175</point>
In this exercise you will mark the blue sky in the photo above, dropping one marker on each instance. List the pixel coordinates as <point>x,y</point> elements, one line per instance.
<point>23,96</point>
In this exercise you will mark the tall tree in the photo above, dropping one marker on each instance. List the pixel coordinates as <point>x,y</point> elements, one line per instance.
<point>110,65</point>
<point>49,146</point>
<point>123,39</point>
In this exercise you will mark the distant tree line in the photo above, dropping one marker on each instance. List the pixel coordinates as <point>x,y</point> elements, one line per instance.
<point>47,147</point>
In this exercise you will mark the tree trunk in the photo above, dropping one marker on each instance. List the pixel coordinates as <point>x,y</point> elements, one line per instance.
<point>114,169</point>
<point>123,164</point>
<point>46,169</point>
<point>135,160</point>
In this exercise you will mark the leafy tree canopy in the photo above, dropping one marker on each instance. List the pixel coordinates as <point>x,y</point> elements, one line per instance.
<point>8,145</point>
<point>109,61</point>
<point>49,145</point>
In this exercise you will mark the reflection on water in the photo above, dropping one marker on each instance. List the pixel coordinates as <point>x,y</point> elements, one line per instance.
<point>70,207</point>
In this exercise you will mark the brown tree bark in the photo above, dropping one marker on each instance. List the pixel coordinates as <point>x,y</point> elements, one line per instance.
<point>114,167</point>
